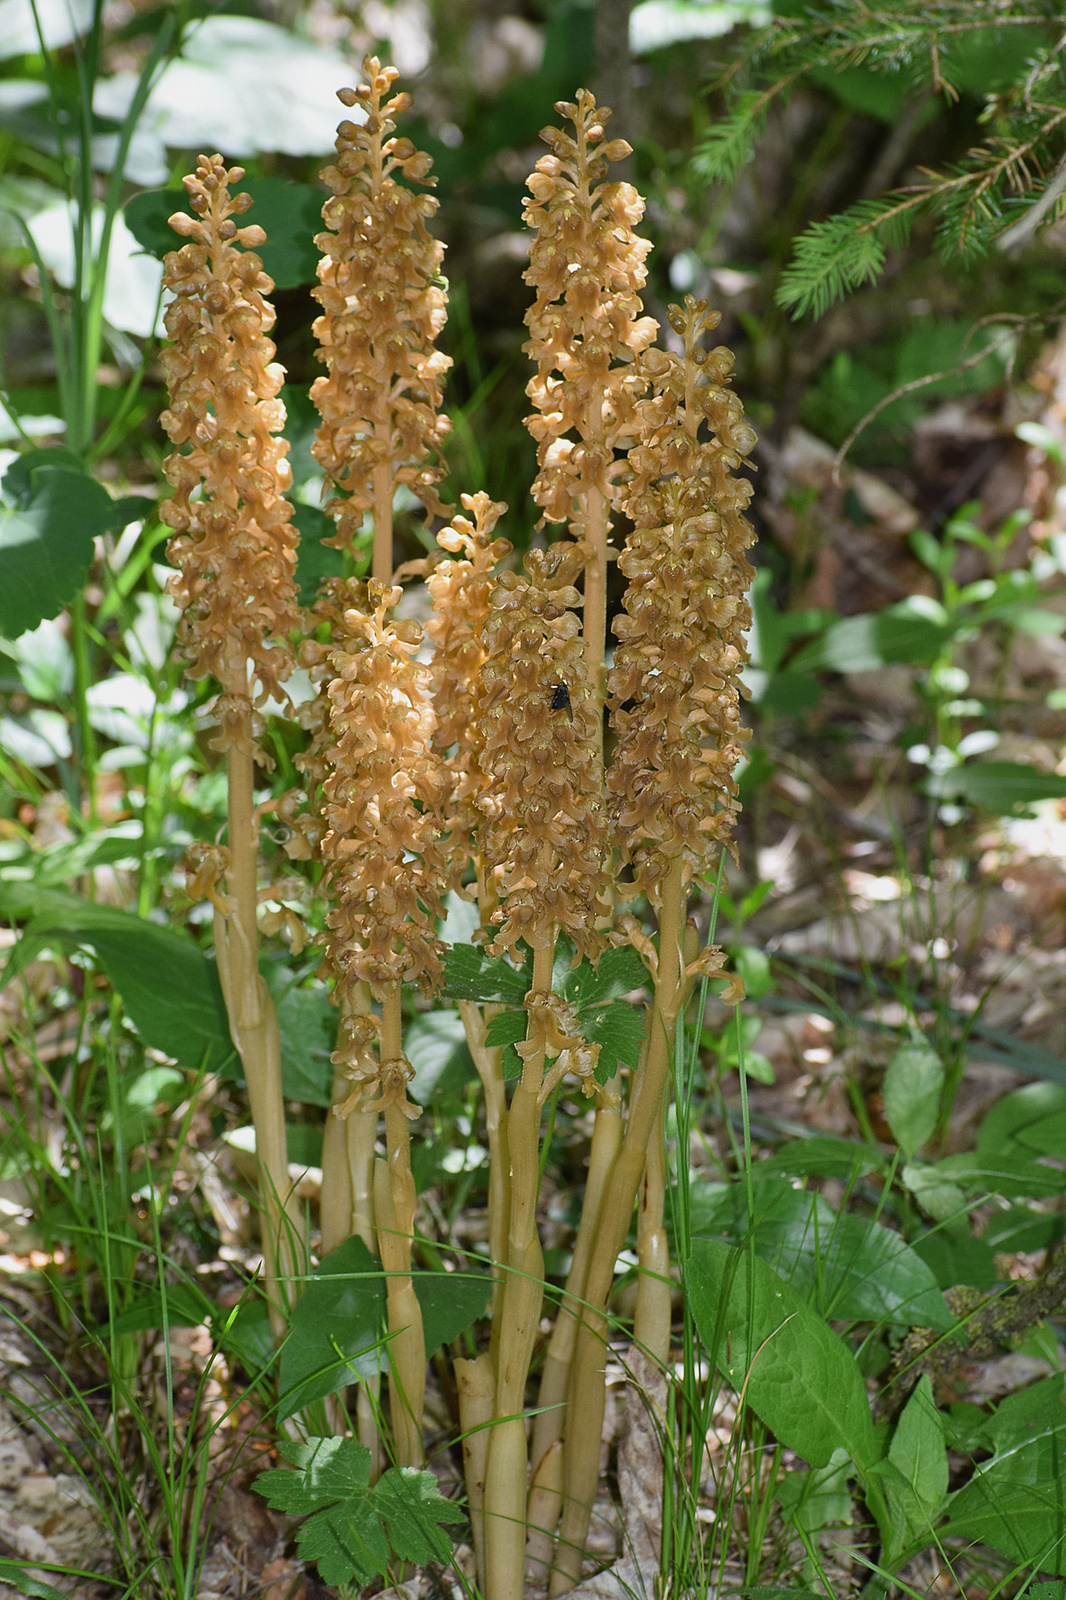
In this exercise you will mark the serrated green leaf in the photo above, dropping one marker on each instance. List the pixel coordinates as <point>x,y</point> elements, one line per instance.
<point>471,974</point>
<point>356,1528</point>
<point>801,1378</point>
<point>618,1029</point>
<point>618,972</point>
<point>913,1085</point>
<point>170,990</point>
<point>414,1510</point>
<point>504,1031</point>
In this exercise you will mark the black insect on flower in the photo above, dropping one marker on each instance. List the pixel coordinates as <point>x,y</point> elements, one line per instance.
<point>561,699</point>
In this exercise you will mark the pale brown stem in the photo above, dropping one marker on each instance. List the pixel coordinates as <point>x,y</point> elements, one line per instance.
<point>651,1323</point>
<point>596,522</point>
<point>394,1203</point>
<point>336,1207</point>
<point>383,492</point>
<point>518,1314</point>
<point>488,1062</point>
<point>584,1423</point>
<point>254,1026</point>
<point>542,1511</point>
<point>606,1139</point>
<point>476,1384</point>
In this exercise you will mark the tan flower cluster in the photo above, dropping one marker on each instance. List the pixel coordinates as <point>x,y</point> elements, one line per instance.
<point>555,1033</point>
<point>675,684</point>
<point>381,796</point>
<point>460,590</point>
<point>383,306</point>
<point>234,546</point>
<point>587,267</point>
<point>543,833</point>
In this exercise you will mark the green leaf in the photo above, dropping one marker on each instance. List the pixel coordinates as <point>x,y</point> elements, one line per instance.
<point>819,1498</point>
<point>1018,1229</point>
<point>21,1581</point>
<point>46,540</point>
<point>504,1031</point>
<point>801,1378</point>
<point>866,643</point>
<point>1030,1121</point>
<point>825,1156</point>
<point>169,988</point>
<point>307,1025</point>
<point>618,1029</point>
<point>919,1454</point>
<point>336,1330</point>
<point>997,786</point>
<point>1016,1502</point>
<point>618,972</point>
<point>183,1306</point>
<point>314,560</point>
<point>290,214</point>
<point>435,1044</point>
<point>955,1258</point>
<point>912,1089</point>
<point>470,974</point>
<point>414,1509</point>
<point>356,1528</point>
<point>1011,1176</point>
<point>450,1302</point>
<point>851,1268</point>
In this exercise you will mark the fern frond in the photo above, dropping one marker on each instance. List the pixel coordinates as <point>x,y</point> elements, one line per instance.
<point>842,253</point>
<point>730,143</point>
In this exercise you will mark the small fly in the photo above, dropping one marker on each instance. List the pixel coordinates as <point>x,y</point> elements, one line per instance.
<point>561,700</point>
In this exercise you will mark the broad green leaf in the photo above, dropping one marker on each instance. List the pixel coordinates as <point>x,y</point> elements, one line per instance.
<point>801,1379</point>
<point>820,1497</point>
<point>937,1195</point>
<point>850,1268</point>
<point>865,643</point>
<point>336,1329</point>
<point>1011,1176</point>
<point>435,1044</point>
<point>337,1334</point>
<point>1031,1121</point>
<point>919,1454</point>
<point>1016,1502</point>
<point>169,988</point>
<point>314,560</point>
<point>307,1024</point>
<point>470,974</point>
<point>290,215</point>
<point>912,1089</point>
<point>1045,1591</point>
<point>23,1583</point>
<point>825,1156</point>
<point>997,786</point>
<point>957,1257</point>
<point>450,1302</point>
<point>1019,1229</point>
<point>46,541</point>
